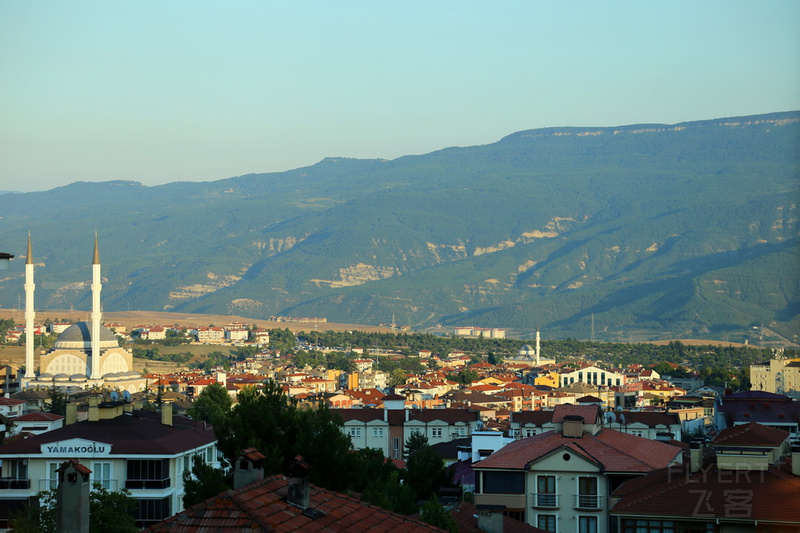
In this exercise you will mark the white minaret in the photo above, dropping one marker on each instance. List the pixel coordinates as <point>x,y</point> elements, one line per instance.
<point>538,346</point>
<point>30,312</point>
<point>96,315</point>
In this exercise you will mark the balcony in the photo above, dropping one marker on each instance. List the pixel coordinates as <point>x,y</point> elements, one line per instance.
<point>588,502</point>
<point>545,500</point>
<point>8,483</point>
<point>147,483</point>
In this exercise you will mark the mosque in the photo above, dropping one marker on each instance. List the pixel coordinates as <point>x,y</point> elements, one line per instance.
<point>530,356</point>
<point>86,355</point>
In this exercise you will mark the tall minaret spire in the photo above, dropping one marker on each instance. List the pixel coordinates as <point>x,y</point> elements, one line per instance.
<point>538,347</point>
<point>30,311</point>
<point>96,314</point>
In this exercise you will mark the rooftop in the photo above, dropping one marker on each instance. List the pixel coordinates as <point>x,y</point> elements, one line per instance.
<point>263,506</point>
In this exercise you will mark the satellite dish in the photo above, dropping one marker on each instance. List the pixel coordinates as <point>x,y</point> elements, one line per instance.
<point>611,417</point>
<point>619,408</point>
<point>622,419</point>
<point>114,396</point>
<point>126,396</point>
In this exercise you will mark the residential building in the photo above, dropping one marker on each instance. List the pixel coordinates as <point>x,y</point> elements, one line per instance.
<point>141,451</point>
<point>210,335</point>
<point>388,429</point>
<point>593,376</point>
<point>36,423</point>
<point>778,375</point>
<point>560,480</point>
<point>748,482</point>
<point>766,408</point>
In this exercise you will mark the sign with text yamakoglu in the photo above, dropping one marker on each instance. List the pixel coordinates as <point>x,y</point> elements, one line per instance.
<point>76,448</point>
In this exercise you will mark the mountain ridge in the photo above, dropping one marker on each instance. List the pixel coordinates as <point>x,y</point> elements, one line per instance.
<point>548,230</point>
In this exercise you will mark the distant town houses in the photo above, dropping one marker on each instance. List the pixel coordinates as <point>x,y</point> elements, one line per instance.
<point>557,445</point>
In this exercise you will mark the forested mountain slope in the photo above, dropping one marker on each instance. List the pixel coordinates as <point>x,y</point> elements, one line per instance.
<point>647,231</point>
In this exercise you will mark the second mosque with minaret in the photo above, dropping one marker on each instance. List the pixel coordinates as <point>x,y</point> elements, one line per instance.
<point>86,354</point>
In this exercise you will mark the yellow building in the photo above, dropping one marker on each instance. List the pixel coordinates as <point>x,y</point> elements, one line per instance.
<point>778,375</point>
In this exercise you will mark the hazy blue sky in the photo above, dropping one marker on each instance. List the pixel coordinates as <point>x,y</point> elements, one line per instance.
<point>178,90</point>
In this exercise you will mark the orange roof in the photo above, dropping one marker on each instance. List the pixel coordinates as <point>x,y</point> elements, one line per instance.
<point>614,451</point>
<point>262,506</point>
<point>752,434</point>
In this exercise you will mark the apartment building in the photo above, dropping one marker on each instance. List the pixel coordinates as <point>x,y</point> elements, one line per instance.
<point>141,451</point>
<point>560,480</point>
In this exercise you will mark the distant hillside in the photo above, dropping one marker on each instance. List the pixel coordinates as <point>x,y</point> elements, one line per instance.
<point>630,233</point>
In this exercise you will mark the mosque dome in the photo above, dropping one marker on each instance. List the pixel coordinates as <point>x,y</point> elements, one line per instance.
<point>80,336</point>
<point>527,350</point>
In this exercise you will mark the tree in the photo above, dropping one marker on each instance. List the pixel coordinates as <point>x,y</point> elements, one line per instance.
<point>434,513</point>
<point>211,405</point>
<point>108,512</point>
<point>58,402</point>
<point>203,482</point>
<point>426,473</point>
<point>111,511</point>
<point>414,442</point>
<point>273,423</point>
<point>397,377</point>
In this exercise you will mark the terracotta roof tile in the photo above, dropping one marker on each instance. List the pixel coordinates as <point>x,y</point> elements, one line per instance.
<point>751,434</point>
<point>769,496</point>
<point>612,450</point>
<point>262,506</point>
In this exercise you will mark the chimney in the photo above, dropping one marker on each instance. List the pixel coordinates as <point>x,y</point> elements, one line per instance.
<point>299,493</point>
<point>572,426</point>
<point>695,455</point>
<point>72,413</point>
<point>166,413</point>
<point>490,518</point>
<point>94,408</point>
<point>247,469</point>
<point>796,459</point>
<point>72,498</point>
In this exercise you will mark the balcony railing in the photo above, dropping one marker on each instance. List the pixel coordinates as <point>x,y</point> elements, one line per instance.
<point>546,500</point>
<point>9,483</point>
<point>147,483</point>
<point>588,501</point>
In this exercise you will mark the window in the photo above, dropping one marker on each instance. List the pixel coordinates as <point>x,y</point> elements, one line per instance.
<point>151,511</point>
<point>101,473</point>
<point>504,482</point>
<point>210,455</point>
<point>546,491</point>
<point>355,433</point>
<point>52,475</point>
<point>396,450</point>
<point>587,524</point>
<point>436,433</point>
<point>665,526</point>
<point>587,497</point>
<point>377,433</point>
<point>16,474</point>
<point>546,522</point>
<point>530,432</point>
<point>148,474</point>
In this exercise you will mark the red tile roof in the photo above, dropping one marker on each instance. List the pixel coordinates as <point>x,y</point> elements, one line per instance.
<point>751,434</point>
<point>590,413</point>
<point>263,506</point>
<point>37,416</point>
<point>769,496</point>
<point>611,450</point>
